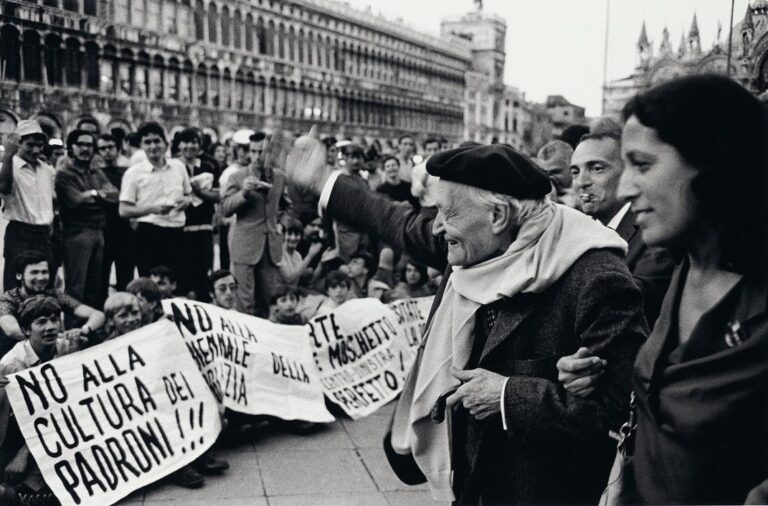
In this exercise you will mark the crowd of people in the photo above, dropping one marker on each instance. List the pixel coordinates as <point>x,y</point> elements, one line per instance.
<point>103,226</point>
<point>625,257</point>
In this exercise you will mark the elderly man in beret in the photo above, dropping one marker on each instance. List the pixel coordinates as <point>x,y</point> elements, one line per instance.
<point>482,417</point>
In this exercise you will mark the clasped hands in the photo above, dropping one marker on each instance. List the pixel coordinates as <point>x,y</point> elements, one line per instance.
<point>479,393</point>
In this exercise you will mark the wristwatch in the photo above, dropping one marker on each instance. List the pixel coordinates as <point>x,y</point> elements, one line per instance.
<point>94,193</point>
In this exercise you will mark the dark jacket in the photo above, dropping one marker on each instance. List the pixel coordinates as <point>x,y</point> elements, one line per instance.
<point>556,448</point>
<point>650,267</point>
<point>702,415</point>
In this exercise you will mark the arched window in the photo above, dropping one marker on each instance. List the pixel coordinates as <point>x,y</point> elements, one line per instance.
<point>172,80</point>
<point>237,30</point>
<point>258,97</point>
<point>214,90</point>
<point>239,90</point>
<point>32,49</point>
<point>184,21</point>
<point>249,91</point>
<point>201,85</point>
<point>89,7</point>
<point>300,46</point>
<point>156,84</point>
<point>291,44</point>
<point>141,76</point>
<point>213,23</point>
<point>92,65</point>
<point>72,62</point>
<point>226,89</point>
<point>225,26</point>
<point>310,43</point>
<point>185,83</point>
<point>54,57</point>
<point>270,36</point>
<point>281,41</point>
<point>261,37</point>
<point>125,73</point>
<point>249,32</point>
<point>169,15</point>
<point>199,20</point>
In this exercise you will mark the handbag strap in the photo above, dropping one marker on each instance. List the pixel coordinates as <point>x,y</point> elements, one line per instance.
<point>626,445</point>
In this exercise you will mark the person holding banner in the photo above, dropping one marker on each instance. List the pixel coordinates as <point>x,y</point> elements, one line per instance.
<point>526,280</point>
<point>40,320</point>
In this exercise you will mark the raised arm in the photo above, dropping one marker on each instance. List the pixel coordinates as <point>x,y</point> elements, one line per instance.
<point>351,202</point>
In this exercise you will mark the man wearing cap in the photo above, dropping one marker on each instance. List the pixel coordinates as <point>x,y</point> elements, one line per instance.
<point>27,190</point>
<point>481,416</point>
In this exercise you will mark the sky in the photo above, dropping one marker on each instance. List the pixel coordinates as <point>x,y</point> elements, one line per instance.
<point>557,46</point>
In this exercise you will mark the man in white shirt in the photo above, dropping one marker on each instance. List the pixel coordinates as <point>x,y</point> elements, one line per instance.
<point>155,193</point>
<point>27,190</point>
<point>596,167</point>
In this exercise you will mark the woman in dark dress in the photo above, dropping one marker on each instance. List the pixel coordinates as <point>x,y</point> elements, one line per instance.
<point>696,173</point>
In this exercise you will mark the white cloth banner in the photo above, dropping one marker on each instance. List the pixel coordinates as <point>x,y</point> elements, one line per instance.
<point>252,365</point>
<point>362,354</point>
<point>412,316</point>
<point>108,420</point>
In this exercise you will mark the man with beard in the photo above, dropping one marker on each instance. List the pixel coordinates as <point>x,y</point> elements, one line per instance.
<point>33,279</point>
<point>84,195</point>
<point>482,417</point>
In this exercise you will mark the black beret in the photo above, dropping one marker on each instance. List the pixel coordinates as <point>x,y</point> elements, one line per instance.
<point>495,167</point>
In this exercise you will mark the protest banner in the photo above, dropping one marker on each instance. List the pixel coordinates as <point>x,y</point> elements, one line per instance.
<point>362,354</point>
<point>108,420</point>
<point>252,365</point>
<point>412,316</point>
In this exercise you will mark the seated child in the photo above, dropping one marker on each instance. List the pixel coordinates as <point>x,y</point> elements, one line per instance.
<point>123,312</point>
<point>338,287</point>
<point>283,302</point>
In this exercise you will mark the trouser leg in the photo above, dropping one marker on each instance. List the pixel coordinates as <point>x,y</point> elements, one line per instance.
<point>246,279</point>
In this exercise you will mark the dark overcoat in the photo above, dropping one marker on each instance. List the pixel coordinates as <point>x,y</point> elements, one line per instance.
<point>556,448</point>
<point>650,267</point>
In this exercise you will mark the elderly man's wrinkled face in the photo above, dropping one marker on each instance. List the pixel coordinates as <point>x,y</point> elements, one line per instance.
<point>466,226</point>
<point>596,169</point>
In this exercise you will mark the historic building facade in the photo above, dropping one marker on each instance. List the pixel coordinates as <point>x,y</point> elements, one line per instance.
<point>265,64</point>
<point>749,58</point>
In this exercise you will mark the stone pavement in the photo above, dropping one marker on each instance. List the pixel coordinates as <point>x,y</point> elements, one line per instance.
<point>341,465</point>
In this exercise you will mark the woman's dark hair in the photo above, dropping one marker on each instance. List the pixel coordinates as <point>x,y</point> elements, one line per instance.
<point>419,267</point>
<point>722,130</point>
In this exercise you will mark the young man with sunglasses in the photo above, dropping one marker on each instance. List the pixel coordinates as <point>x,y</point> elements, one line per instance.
<point>26,188</point>
<point>84,192</point>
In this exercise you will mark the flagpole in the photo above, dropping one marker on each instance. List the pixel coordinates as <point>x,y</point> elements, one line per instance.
<point>730,37</point>
<point>605,48</point>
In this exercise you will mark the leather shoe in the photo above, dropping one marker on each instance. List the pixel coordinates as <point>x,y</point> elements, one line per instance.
<point>187,477</point>
<point>208,465</point>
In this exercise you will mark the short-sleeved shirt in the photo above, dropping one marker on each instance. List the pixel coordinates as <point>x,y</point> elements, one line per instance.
<point>11,301</point>
<point>22,356</point>
<point>144,185</point>
<point>31,197</point>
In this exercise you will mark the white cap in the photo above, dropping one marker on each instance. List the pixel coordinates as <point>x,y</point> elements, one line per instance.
<point>55,142</point>
<point>243,136</point>
<point>29,127</point>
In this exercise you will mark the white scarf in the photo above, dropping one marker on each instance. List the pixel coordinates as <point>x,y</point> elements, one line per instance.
<point>546,246</point>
